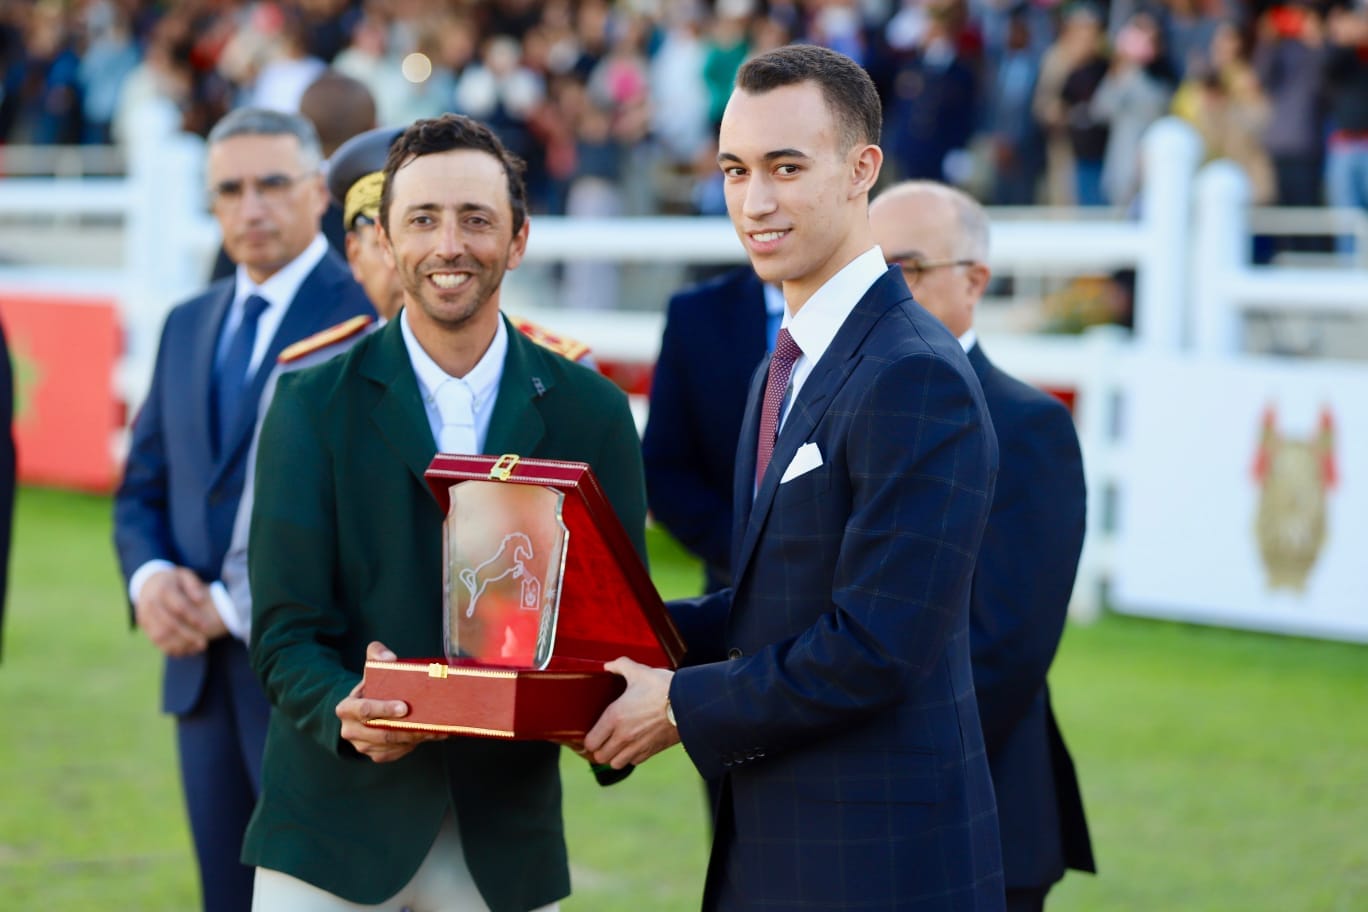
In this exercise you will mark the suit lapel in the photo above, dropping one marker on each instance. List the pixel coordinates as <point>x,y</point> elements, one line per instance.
<point>204,348</point>
<point>743,494</point>
<point>517,425</point>
<point>979,361</point>
<point>826,379</point>
<point>398,412</point>
<point>312,309</point>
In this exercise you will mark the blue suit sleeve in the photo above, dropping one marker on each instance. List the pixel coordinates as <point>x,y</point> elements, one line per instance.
<point>141,527</point>
<point>1026,566</point>
<point>701,622</point>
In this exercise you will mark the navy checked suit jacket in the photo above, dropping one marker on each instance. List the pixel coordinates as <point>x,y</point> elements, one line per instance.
<point>836,692</point>
<point>714,337</point>
<point>1020,601</point>
<point>178,498</point>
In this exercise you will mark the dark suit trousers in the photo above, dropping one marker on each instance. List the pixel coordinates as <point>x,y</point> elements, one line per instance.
<point>221,742</point>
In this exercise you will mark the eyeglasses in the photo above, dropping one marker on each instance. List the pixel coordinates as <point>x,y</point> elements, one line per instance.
<point>271,188</point>
<point>914,268</point>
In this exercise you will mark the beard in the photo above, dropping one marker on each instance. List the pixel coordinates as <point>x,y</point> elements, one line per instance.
<point>453,308</point>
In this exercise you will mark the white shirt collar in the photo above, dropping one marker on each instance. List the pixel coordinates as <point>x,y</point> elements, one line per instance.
<point>969,339</point>
<point>483,379</point>
<point>816,324</point>
<point>283,284</point>
<point>278,291</point>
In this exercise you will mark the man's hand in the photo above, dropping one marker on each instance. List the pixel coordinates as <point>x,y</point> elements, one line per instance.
<point>383,745</point>
<point>176,612</point>
<point>634,728</point>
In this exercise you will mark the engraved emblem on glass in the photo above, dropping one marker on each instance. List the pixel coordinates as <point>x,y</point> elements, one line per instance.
<point>504,546</point>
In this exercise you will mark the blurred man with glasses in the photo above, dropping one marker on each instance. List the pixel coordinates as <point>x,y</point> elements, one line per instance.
<point>1025,572</point>
<point>173,513</point>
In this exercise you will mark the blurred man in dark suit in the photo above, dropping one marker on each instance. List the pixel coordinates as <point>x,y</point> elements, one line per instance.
<point>716,333</point>
<point>174,511</point>
<point>1026,566</point>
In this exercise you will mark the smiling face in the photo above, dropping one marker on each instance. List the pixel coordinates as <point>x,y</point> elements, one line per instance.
<point>796,198</point>
<point>451,239</point>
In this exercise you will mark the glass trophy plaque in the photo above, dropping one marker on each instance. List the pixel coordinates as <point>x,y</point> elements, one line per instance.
<point>504,552</point>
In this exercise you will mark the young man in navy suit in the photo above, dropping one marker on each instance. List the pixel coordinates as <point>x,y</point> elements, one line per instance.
<point>1025,573</point>
<point>173,513</point>
<point>831,685</point>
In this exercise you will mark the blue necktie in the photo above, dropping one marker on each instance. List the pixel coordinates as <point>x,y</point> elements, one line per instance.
<point>232,381</point>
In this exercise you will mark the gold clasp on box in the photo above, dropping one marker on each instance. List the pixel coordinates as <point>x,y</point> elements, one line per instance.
<point>437,670</point>
<point>504,467</point>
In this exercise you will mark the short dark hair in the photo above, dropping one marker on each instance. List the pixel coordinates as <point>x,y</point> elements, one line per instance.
<point>847,88</point>
<point>445,134</point>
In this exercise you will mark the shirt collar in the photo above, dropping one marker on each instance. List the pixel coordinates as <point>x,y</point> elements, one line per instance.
<point>815,326</point>
<point>283,284</point>
<point>969,339</point>
<point>483,379</point>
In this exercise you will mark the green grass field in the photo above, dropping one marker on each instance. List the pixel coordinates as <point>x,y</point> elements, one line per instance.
<point>1221,770</point>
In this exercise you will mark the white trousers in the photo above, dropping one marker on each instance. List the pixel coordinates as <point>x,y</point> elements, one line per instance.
<point>441,884</point>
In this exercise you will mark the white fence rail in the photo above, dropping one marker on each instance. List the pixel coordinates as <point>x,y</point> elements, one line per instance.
<point>1189,246</point>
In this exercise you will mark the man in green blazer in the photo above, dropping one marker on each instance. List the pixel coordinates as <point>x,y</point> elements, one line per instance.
<point>346,560</point>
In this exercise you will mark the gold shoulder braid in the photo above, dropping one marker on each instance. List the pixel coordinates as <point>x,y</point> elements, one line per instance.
<point>570,349</point>
<point>329,336</point>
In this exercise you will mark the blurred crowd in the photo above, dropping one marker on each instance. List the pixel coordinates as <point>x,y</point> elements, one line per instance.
<point>614,104</point>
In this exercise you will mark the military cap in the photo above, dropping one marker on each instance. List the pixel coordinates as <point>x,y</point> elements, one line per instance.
<point>356,173</point>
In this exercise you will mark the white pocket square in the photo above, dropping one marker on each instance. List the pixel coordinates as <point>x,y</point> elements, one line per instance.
<point>805,460</point>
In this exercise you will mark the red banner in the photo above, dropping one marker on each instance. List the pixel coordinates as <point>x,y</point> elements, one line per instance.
<point>64,349</point>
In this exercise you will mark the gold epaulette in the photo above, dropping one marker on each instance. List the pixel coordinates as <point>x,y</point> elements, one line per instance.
<point>333,334</point>
<point>572,349</point>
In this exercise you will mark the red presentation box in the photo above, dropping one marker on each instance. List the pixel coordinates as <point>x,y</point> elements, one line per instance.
<point>542,586</point>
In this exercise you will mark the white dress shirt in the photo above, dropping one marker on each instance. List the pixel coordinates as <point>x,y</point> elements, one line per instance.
<point>482,382</point>
<point>816,324</point>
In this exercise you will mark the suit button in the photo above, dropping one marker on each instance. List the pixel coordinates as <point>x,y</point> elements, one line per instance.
<point>733,653</point>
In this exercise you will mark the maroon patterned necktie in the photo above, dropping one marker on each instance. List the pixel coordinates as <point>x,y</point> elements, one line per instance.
<point>786,352</point>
